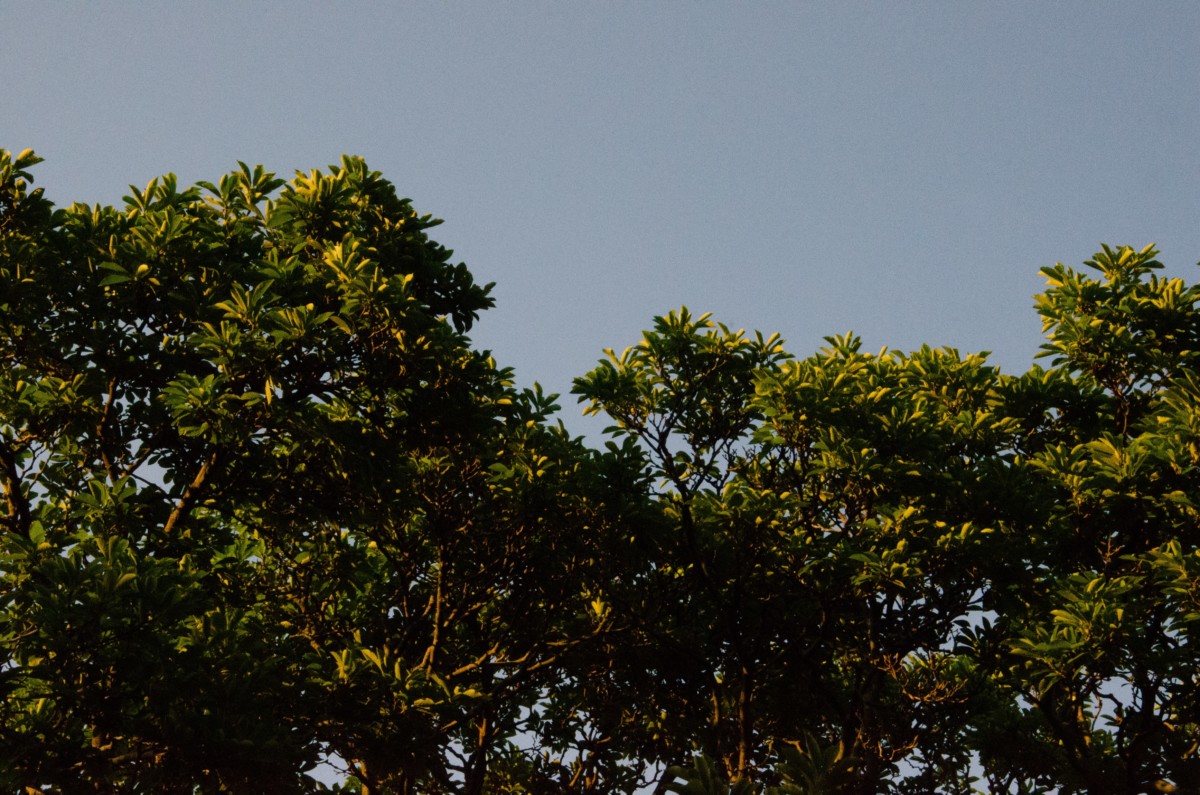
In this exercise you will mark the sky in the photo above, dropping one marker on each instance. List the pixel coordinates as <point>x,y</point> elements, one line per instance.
<point>901,170</point>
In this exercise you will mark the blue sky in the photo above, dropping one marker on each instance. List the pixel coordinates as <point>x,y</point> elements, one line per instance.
<point>899,169</point>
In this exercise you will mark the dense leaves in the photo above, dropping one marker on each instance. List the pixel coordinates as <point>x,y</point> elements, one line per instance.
<point>264,503</point>
<point>265,508</point>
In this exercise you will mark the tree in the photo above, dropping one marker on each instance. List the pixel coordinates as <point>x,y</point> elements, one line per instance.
<point>1100,639</point>
<point>835,520</point>
<point>264,505</point>
<point>263,501</point>
<point>913,573</point>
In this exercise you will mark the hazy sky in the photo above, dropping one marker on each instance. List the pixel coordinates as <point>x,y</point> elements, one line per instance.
<point>899,169</point>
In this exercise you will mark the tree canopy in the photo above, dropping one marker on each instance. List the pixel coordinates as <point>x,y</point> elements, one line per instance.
<point>267,507</point>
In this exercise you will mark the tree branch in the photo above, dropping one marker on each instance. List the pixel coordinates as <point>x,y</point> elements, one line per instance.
<point>189,494</point>
<point>18,519</point>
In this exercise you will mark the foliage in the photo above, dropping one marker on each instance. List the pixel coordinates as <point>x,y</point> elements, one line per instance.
<point>913,573</point>
<point>265,505</point>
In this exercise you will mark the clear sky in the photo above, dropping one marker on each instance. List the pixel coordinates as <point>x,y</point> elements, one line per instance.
<point>899,169</point>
